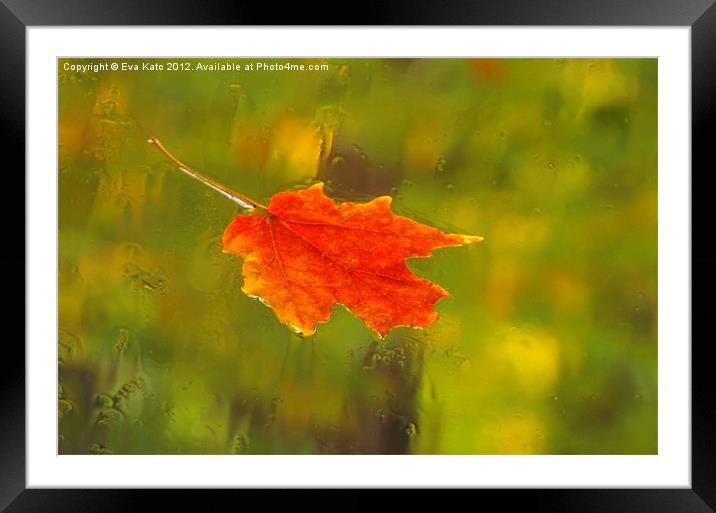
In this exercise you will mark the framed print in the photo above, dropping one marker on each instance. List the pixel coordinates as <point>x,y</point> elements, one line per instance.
<point>415,255</point>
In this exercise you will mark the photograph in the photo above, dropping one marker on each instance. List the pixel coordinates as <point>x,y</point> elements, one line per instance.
<point>357,256</point>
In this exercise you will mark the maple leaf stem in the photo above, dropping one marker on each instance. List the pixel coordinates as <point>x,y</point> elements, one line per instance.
<point>233,196</point>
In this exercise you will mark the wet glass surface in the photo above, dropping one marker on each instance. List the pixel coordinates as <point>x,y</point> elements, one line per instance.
<point>547,344</point>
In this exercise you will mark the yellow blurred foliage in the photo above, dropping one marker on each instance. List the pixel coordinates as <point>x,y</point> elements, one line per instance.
<point>597,83</point>
<point>516,232</point>
<point>529,357</point>
<point>297,143</point>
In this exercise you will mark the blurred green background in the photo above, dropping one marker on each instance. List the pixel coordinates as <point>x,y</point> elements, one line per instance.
<point>547,345</point>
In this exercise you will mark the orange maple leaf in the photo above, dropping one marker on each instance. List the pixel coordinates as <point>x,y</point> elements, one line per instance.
<point>304,253</point>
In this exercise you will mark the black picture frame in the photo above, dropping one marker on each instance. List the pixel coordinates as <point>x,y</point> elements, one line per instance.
<point>17,15</point>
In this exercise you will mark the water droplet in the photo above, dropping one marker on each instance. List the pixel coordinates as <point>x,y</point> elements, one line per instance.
<point>380,413</point>
<point>130,387</point>
<point>450,187</point>
<point>106,108</point>
<point>108,417</point>
<point>103,401</point>
<point>555,398</point>
<point>550,164</point>
<point>547,123</point>
<point>411,430</point>
<point>63,408</point>
<point>337,161</point>
<point>440,165</point>
<point>123,339</point>
<point>100,449</point>
<point>142,278</point>
<point>239,444</point>
<point>69,345</point>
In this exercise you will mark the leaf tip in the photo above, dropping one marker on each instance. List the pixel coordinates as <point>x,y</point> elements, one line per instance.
<point>383,201</point>
<point>463,240</point>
